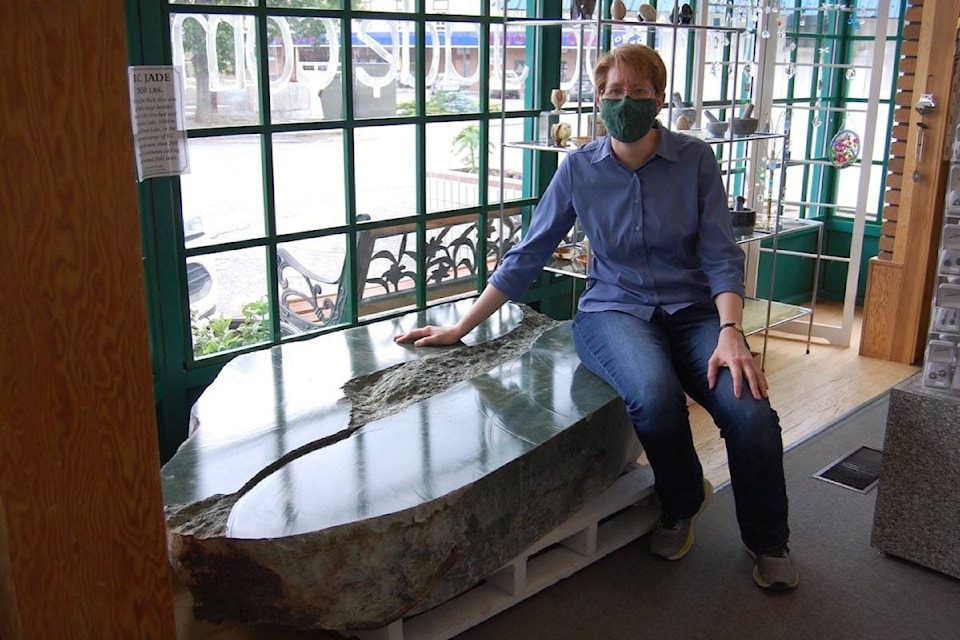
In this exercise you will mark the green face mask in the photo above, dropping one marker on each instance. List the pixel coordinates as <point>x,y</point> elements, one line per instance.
<point>626,119</point>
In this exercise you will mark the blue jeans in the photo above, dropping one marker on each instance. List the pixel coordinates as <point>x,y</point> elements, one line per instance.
<point>651,364</point>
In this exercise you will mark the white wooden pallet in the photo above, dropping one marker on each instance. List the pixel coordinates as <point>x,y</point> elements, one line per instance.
<point>616,517</point>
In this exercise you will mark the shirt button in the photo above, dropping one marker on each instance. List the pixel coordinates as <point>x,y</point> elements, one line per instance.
<point>636,228</point>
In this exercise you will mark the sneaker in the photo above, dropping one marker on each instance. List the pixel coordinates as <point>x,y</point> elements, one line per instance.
<point>673,537</point>
<point>775,570</point>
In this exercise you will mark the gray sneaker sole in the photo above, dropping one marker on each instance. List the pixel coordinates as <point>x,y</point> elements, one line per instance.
<point>688,542</point>
<point>786,583</point>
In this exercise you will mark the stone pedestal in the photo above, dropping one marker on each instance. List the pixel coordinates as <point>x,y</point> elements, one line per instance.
<point>918,502</point>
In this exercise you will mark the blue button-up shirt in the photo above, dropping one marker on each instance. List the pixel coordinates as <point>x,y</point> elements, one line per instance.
<point>660,236</point>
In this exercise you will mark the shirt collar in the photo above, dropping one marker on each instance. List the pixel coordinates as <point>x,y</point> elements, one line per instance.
<point>666,147</point>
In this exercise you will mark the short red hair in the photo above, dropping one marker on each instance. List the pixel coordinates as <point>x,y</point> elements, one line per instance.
<point>636,58</point>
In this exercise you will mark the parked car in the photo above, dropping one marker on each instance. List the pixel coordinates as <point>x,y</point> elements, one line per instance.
<point>201,280</point>
<point>514,85</point>
<point>444,83</point>
<point>581,91</point>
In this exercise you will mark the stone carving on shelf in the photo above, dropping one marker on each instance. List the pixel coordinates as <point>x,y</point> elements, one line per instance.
<point>646,13</point>
<point>560,134</point>
<point>558,98</point>
<point>583,9</point>
<point>682,14</point>
<point>618,10</point>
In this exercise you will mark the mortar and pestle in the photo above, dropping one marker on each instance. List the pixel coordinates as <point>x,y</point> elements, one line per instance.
<point>744,125</point>
<point>681,110</point>
<point>744,220</point>
<point>716,128</point>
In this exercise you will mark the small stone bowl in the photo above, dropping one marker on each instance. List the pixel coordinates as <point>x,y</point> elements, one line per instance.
<point>744,126</point>
<point>717,129</point>
<point>743,222</point>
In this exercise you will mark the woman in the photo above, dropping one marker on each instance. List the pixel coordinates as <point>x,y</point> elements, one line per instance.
<point>661,315</point>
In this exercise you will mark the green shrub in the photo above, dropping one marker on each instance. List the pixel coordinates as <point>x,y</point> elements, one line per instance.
<point>440,102</point>
<point>213,335</point>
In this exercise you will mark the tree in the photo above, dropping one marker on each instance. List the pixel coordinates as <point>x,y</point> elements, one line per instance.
<point>466,145</point>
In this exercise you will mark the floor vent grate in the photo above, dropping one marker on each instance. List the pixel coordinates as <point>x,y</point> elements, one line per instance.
<point>858,470</point>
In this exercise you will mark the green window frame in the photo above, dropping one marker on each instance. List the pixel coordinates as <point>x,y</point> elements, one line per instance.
<point>242,125</point>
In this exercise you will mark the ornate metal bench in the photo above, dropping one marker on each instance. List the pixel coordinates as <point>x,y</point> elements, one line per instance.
<point>387,270</point>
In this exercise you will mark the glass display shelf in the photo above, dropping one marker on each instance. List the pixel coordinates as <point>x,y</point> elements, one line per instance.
<point>576,264</point>
<point>533,145</point>
<point>632,24</point>
<point>755,314</point>
<point>755,319</point>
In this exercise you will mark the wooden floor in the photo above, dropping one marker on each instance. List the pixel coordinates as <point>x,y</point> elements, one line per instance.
<point>809,391</point>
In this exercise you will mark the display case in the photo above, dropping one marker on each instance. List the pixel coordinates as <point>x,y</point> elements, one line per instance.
<point>751,157</point>
<point>941,368</point>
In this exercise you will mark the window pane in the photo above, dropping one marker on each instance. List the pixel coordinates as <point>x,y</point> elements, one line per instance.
<point>202,286</point>
<point>310,279</point>
<point>388,268</point>
<point>576,64</point>
<point>224,188</point>
<point>242,316</point>
<point>308,180</point>
<point>461,7</point>
<point>513,66</point>
<point>452,258</point>
<point>859,75</point>
<point>453,65</point>
<point>718,67</point>
<point>513,8</point>
<point>386,171</point>
<point>305,80</point>
<point>512,161</point>
<point>453,165</point>
<point>378,49</point>
<point>218,55</point>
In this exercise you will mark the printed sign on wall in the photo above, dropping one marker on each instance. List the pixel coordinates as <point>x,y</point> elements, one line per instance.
<point>159,127</point>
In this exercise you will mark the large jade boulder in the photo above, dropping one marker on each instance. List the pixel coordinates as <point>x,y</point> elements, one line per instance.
<point>345,481</point>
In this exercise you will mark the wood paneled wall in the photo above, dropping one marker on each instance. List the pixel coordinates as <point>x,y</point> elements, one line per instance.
<point>82,535</point>
<point>897,304</point>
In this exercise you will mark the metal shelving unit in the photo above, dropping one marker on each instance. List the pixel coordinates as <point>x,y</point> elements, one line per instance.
<point>759,314</point>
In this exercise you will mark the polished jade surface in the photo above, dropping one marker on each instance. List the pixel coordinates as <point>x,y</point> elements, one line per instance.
<point>429,449</point>
<point>280,402</point>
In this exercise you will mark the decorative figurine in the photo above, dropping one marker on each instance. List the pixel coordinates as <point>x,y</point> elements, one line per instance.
<point>595,125</point>
<point>681,110</point>
<point>685,15</point>
<point>560,133</point>
<point>618,10</point>
<point>558,97</point>
<point>647,13</point>
<point>585,8</point>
